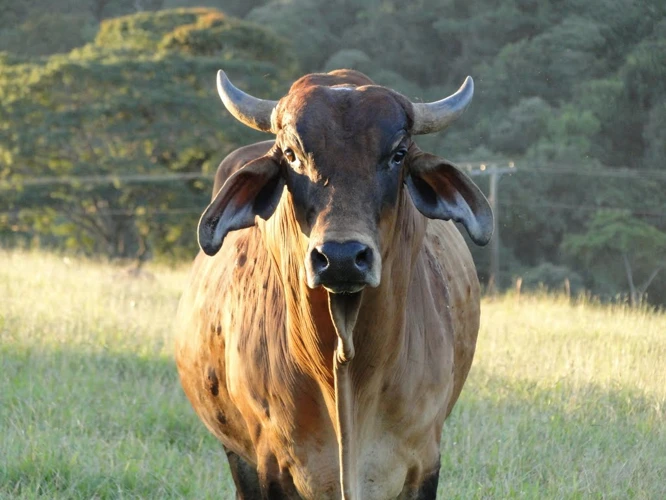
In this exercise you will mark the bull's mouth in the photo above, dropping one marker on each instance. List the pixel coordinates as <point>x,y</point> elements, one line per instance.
<point>344,309</point>
<point>344,288</point>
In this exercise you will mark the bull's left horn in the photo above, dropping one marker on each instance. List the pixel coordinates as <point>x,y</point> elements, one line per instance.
<point>253,112</point>
<point>434,116</point>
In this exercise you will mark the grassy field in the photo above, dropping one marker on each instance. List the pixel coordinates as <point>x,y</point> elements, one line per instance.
<point>563,401</point>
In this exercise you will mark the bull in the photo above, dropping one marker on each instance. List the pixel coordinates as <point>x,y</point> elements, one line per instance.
<point>331,317</point>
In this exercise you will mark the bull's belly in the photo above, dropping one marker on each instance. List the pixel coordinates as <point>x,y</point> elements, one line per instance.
<point>391,460</point>
<point>396,447</point>
<point>385,470</point>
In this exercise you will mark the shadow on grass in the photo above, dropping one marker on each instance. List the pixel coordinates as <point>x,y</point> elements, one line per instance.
<point>81,425</point>
<point>108,425</point>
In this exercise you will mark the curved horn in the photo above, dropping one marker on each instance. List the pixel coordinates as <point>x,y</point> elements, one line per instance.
<point>435,116</point>
<point>253,112</point>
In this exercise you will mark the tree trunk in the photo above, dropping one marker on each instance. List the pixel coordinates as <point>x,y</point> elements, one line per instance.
<point>643,288</point>
<point>634,298</point>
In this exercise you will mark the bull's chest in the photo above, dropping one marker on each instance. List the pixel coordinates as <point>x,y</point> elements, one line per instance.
<point>291,421</point>
<point>254,392</point>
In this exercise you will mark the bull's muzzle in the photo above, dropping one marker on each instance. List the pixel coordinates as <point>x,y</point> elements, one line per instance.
<point>345,267</point>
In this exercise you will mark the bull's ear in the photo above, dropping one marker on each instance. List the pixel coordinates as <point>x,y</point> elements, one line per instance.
<point>440,191</point>
<point>253,190</point>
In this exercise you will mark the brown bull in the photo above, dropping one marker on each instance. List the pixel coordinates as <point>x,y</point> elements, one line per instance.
<point>325,342</point>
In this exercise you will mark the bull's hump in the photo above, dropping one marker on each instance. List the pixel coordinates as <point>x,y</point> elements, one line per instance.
<point>337,77</point>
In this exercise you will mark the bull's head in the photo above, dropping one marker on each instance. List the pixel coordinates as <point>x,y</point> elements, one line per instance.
<point>344,152</point>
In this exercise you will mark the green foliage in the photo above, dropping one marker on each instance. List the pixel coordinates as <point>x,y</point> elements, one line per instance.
<point>138,100</point>
<point>237,8</point>
<point>48,33</point>
<point>618,248</point>
<point>561,88</point>
<point>616,232</point>
<point>523,125</point>
<point>654,136</point>
<point>552,278</point>
<point>305,23</point>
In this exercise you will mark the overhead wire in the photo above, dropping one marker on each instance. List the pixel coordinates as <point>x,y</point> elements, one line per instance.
<point>475,169</point>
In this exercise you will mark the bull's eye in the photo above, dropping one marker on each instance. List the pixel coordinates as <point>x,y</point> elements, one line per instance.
<point>289,155</point>
<point>294,161</point>
<point>398,156</point>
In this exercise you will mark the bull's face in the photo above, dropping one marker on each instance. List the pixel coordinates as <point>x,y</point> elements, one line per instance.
<point>344,153</point>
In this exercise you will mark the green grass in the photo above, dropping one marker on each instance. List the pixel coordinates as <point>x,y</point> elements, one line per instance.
<point>563,401</point>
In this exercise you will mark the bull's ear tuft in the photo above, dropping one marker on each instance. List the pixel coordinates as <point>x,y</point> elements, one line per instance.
<point>440,191</point>
<point>253,190</point>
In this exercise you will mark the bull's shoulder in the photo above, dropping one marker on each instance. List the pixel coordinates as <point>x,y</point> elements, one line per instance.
<point>448,247</point>
<point>230,306</point>
<point>452,263</point>
<point>237,159</point>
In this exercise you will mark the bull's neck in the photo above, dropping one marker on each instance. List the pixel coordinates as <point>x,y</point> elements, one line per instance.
<point>379,329</point>
<point>378,337</point>
<point>311,334</point>
<point>376,334</point>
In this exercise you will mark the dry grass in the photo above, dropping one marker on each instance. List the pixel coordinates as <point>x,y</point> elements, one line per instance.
<point>564,401</point>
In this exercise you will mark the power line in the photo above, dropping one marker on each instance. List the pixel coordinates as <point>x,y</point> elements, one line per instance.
<point>661,211</point>
<point>104,179</point>
<point>142,211</point>
<point>484,169</point>
<point>113,211</point>
<point>473,169</point>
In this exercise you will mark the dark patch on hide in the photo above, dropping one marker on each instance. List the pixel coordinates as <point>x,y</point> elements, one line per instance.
<point>212,384</point>
<point>221,418</point>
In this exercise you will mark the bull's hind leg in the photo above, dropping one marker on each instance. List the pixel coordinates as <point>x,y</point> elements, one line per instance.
<point>250,487</point>
<point>427,490</point>
<point>245,477</point>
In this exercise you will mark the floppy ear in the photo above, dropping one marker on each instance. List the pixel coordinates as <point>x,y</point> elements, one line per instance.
<point>440,191</point>
<point>253,190</point>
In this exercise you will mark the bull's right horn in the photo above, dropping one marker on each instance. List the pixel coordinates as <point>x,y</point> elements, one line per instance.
<point>434,116</point>
<point>253,112</point>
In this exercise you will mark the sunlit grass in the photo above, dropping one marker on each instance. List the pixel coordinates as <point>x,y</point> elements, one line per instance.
<point>564,400</point>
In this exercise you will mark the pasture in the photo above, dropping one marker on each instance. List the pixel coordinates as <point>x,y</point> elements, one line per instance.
<point>565,399</point>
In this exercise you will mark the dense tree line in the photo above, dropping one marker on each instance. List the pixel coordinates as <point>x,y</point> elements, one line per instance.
<point>569,91</point>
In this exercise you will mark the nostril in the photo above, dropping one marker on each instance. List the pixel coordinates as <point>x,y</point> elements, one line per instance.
<point>363,259</point>
<point>319,261</point>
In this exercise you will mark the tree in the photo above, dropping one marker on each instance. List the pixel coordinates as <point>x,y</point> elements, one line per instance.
<point>561,88</point>
<point>617,240</point>
<point>654,137</point>
<point>139,100</point>
<point>306,23</point>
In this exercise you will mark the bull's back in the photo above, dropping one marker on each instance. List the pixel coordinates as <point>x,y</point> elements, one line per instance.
<point>453,255</point>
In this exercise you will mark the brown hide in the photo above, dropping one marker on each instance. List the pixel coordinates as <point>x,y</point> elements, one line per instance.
<point>255,345</point>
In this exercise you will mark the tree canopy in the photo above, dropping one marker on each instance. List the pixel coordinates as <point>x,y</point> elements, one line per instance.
<point>139,99</point>
<point>571,92</point>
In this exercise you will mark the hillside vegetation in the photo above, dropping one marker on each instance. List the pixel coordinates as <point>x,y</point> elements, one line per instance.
<point>572,93</point>
<point>565,399</point>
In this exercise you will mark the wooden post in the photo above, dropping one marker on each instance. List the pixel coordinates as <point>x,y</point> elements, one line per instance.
<point>493,281</point>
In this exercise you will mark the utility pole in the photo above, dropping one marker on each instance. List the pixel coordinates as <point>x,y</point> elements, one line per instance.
<point>493,280</point>
<point>495,173</point>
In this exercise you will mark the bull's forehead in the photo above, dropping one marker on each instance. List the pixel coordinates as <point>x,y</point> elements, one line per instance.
<point>354,119</point>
